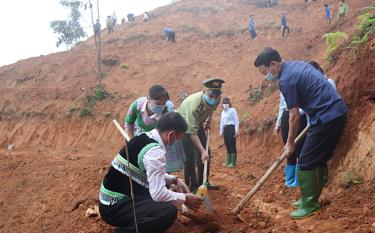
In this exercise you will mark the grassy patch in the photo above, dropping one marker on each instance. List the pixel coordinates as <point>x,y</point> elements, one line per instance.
<point>255,95</point>
<point>124,66</point>
<point>366,26</point>
<point>73,109</point>
<point>333,40</point>
<point>351,178</point>
<point>101,94</point>
<point>85,112</point>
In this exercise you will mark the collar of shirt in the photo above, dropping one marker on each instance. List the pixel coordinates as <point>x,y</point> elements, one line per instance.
<point>144,111</point>
<point>154,134</point>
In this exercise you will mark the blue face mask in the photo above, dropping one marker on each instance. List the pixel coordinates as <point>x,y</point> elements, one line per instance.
<point>157,109</point>
<point>209,101</point>
<point>270,77</point>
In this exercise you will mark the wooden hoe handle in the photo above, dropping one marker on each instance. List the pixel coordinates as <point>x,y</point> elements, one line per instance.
<point>262,180</point>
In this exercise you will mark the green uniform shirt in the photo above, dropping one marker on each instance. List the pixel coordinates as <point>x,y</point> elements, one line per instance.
<point>343,9</point>
<point>195,111</point>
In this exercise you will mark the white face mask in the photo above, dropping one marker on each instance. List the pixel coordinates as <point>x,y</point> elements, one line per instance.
<point>225,106</point>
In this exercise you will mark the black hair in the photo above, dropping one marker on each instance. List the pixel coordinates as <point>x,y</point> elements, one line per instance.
<point>325,5</point>
<point>172,121</point>
<point>157,91</point>
<point>316,66</point>
<point>266,57</point>
<point>226,100</point>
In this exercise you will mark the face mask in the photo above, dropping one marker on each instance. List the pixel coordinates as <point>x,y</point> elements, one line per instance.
<point>225,106</point>
<point>209,101</point>
<point>270,77</point>
<point>157,109</point>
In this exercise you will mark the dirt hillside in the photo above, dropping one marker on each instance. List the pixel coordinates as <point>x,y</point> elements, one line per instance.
<point>64,141</point>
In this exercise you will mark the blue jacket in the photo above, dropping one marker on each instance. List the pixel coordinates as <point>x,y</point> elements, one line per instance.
<point>251,24</point>
<point>283,20</point>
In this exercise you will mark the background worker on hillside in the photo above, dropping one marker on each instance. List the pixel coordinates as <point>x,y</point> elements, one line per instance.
<point>114,19</point>
<point>146,17</point>
<point>155,205</point>
<point>97,28</point>
<point>327,11</point>
<point>284,24</point>
<point>197,109</point>
<point>343,9</point>
<point>143,116</point>
<point>109,24</point>
<point>229,129</point>
<point>252,32</point>
<point>130,17</point>
<point>305,87</point>
<point>170,35</point>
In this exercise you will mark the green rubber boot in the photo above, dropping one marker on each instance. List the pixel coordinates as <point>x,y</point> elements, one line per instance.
<point>323,180</point>
<point>310,191</point>
<point>233,160</point>
<point>229,158</point>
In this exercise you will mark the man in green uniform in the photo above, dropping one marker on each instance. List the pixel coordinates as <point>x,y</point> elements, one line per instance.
<point>197,109</point>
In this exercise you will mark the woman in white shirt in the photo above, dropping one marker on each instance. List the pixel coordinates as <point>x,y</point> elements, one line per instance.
<point>229,129</point>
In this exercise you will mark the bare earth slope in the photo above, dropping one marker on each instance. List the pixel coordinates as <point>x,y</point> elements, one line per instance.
<point>59,158</point>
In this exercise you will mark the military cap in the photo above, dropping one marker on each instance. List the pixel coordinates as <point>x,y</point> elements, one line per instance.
<point>213,83</point>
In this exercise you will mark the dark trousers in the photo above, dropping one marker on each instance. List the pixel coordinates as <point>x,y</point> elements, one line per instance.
<point>253,34</point>
<point>230,139</point>
<point>320,143</point>
<point>191,153</point>
<point>203,138</point>
<point>292,159</point>
<point>171,37</point>
<point>285,28</point>
<point>152,217</point>
<point>193,161</point>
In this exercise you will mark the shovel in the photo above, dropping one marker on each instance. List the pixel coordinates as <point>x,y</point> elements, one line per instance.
<point>203,190</point>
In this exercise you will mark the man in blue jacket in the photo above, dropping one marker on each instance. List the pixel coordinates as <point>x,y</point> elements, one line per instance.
<point>305,87</point>
<point>252,32</point>
<point>284,24</point>
<point>170,35</point>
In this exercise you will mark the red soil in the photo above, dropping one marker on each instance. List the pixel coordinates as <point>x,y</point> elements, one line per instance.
<point>59,158</point>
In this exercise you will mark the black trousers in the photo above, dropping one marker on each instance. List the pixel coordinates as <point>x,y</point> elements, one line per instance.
<point>152,217</point>
<point>193,165</point>
<point>230,139</point>
<point>320,143</point>
<point>171,37</point>
<point>292,159</point>
<point>203,138</point>
<point>285,28</point>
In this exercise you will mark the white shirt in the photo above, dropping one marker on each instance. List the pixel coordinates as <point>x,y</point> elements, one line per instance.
<point>229,117</point>
<point>145,16</point>
<point>154,161</point>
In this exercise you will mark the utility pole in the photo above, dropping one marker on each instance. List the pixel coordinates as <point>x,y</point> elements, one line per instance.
<point>97,43</point>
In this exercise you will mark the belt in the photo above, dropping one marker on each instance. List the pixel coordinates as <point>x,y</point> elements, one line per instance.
<point>138,176</point>
<point>108,197</point>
